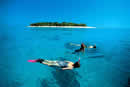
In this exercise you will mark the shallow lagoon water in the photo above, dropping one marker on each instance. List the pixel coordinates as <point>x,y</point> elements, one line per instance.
<point>106,66</point>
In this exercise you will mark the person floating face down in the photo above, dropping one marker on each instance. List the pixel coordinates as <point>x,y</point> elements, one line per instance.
<point>82,48</point>
<point>62,64</point>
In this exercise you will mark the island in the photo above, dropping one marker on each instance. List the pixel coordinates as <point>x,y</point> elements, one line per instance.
<point>59,25</point>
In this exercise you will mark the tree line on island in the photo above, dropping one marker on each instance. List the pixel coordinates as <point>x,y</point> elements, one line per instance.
<point>57,24</point>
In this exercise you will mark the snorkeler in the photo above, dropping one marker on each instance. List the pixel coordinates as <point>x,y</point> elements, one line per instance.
<point>82,47</point>
<point>62,64</point>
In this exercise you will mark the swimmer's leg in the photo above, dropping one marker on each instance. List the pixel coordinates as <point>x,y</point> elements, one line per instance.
<point>76,51</point>
<point>40,60</point>
<point>48,62</point>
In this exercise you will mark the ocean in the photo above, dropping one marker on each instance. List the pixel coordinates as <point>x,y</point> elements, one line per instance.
<point>106,66</point>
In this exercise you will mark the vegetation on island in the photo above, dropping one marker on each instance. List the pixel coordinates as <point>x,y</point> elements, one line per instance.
<point>57,24</point>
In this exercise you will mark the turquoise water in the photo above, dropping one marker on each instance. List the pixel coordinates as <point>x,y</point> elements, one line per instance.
<point>106,66</point>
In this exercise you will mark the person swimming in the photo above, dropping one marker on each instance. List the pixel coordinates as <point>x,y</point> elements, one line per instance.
<point>62,64</point>
<point>82,47</point>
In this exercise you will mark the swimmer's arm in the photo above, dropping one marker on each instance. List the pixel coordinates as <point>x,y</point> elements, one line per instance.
<point>67,68</point>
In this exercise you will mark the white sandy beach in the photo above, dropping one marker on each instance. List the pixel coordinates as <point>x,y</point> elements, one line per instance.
<point>62,26</point>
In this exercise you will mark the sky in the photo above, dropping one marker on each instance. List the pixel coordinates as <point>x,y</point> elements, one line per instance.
<point>97,13</point>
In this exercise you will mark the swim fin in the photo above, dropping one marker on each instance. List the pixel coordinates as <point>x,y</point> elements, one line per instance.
<point>33,61</point>
<point>38,60</point>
